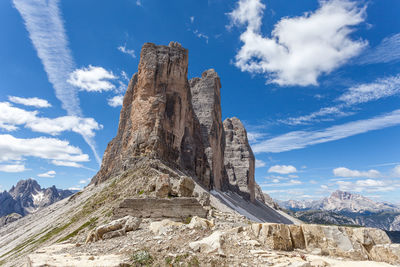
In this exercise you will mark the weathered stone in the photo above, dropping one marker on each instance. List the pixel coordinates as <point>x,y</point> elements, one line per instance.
<point>115,228</point>
<point>197,222</point>
<point>332,240</point>
<point>163,186</point>
<point>164,226</point>
<point>182,187</point>
<point>389,253</point>
<point>157,118</point>
<point>297,236</point>
<point>239,159</point>
<point>180,207</point>
<point>209,244</point>
<point>276,236</point>
<point>206,100</point>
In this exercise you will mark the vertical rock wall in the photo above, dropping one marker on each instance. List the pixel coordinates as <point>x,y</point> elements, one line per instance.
<point>239,159</point>
<point>206,100</point>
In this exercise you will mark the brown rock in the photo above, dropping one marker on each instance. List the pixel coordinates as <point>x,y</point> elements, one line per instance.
<point>276,236</point>
<point>157,118</point>
<point>206,100</point>
<point>239,159</point>
<point>297,236</point>
<point>389,253</point>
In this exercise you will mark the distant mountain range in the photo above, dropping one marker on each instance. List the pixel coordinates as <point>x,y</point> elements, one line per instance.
<point>344,208</point>
<point>27,197</point>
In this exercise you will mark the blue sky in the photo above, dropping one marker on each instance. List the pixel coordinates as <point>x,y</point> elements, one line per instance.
<point>316,83</point>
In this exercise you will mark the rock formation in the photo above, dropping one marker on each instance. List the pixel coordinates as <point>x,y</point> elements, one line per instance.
<point>164,116</point>
<point>206,99</point>
<point>239,158</point>
<point>157,118</point>
<point>27,197</point>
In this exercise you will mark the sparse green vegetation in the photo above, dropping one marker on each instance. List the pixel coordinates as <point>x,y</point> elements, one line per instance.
<point>182,260</point>
<point>141,192</point>
<point>142,258</point>
<point>187,220</point>
<point>91,224</point>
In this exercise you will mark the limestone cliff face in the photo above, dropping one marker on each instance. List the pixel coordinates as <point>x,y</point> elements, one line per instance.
<point>239,159</point>
<point>157,118</point>
<point>206,99</point>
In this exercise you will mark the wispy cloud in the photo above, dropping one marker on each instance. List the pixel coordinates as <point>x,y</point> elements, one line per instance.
<point>301,139</point>
<point>12,168</point>
<point>127,51</point>
<point>49,174</point>
<point>302,48</point>
<point>345,172</point>
<point>32,101</point>
<point>44,23</point>
<point>387,51</point>
<point>357,94</point>
<point>260,163</point>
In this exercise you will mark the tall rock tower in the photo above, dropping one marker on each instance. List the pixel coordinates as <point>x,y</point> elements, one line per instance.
<point>157,118</point>
<point>206,99</point>
<point>239,159</point>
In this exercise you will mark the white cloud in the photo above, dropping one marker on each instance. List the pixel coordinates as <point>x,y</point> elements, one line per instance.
<point>368,185</point>
<point>282,169</point>
<point>49,174</point>
<point>191,19</point>
<point>367,92</point>
<point>275,181</point>
<point>260,163</point>
<point>302,48</point>
<point>301,139</point>
<point>16,149</point>
<point>92,79</point>
<point>115,101</point>
<point>324,186</point>
<point>358,94</point>
<point>44,24</point>
<point>345,172</point>
<point>396,171</point>
<point>201,35</point>
<point>295,182</point>
<point>66,163</point>
<point>11,117</point>
<point>387,51</point>
<point>12,168</point>
<point>138,2</point>
<point>127,51</point>
<point>254,136</point>
<point>33,101</point>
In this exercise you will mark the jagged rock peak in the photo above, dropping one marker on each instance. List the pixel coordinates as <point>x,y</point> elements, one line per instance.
<point>239,159</point>
<point>206,100</point>
<point>157,118</point>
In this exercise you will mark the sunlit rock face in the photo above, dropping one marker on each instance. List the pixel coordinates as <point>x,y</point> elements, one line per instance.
<point>157,118</point>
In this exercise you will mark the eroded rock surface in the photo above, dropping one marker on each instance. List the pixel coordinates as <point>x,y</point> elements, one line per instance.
<point>239,159</point>
<point>206,99</point>
<point>157,119</point>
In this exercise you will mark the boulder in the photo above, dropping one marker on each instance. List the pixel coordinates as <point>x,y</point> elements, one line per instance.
<point>239,159</point>
<point>164,226</point>
<point>276,236</point>
<point>115,228</point>
<point>212,243</point>
<point>389,253</point>
<point>197,222</point>
<point>297,236</point>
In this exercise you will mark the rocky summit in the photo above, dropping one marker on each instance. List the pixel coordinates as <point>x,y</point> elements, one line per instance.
<point>176,188</point>
<point>27,197</point>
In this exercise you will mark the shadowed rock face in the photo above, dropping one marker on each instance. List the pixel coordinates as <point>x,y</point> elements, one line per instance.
<point>206,100</point>
<point>239,159</point>
<point>157,119</point>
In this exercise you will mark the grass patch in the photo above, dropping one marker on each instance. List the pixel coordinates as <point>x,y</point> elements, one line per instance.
<point>187,220</point>
<point>142,258</point>
<point>141,192</point>
<point>91,224</point>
